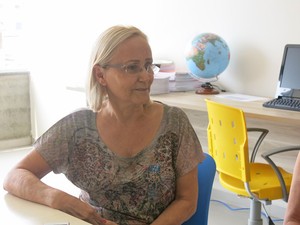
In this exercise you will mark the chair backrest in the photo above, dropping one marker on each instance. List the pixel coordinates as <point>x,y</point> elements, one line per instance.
<point>206,175</point>
<point>228,140</point>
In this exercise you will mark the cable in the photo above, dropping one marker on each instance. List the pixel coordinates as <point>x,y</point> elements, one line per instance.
<point>240,209</point>
<point>228,206</point>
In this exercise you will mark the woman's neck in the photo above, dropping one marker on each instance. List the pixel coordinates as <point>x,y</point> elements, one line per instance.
<point>126,113</point>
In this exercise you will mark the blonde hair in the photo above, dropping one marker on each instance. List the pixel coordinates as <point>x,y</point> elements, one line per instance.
<point>102,53</point>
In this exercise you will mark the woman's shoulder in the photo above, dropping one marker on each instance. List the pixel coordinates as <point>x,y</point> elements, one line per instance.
<point>79,116</point>
<point>169,108</point>
<point>173,115</point>
<point>172,110</point>
<point>82,111</point>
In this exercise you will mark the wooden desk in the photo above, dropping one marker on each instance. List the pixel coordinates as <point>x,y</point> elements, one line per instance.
<point>252,109</point>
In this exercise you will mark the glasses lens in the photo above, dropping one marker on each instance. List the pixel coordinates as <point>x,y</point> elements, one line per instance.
<point>132,68</point>
<point>135,68</point>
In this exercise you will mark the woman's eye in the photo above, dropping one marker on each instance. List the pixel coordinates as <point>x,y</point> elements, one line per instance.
<point>133,68</point>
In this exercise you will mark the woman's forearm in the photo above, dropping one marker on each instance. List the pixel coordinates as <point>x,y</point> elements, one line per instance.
<point>177,212</point>
<point>24,184</point>
<point>185,203</point>
<point>292,213</point>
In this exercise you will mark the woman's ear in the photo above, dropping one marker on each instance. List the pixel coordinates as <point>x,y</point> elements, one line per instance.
<point>98,73</point>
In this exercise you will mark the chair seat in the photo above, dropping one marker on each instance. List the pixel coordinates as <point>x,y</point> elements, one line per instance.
<point>264,182</point>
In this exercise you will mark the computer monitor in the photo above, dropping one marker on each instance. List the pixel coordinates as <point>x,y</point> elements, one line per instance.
<point>289,76</point>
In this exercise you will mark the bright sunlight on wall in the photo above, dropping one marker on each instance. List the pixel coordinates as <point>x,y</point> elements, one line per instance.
<point>11,28</point>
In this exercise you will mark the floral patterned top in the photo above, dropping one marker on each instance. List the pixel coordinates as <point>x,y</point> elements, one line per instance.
<point>128,191</point>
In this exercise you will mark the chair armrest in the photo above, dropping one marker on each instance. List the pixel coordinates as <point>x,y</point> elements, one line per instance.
<point>266,156</point>
<point>263,134</point>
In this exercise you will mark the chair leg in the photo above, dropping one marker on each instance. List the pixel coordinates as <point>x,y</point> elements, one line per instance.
<point>255,213</point>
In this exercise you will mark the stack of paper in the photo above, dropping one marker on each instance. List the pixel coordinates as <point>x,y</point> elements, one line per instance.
<point>183,82</point>
<point>160,83</point>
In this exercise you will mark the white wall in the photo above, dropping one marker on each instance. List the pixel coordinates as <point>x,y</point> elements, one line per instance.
<point>62,32</point>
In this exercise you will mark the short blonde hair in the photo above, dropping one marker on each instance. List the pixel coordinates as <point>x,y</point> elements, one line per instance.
<point>102,53</point>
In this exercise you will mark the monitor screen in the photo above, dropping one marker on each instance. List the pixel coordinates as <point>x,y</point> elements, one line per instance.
<point>289,77</point>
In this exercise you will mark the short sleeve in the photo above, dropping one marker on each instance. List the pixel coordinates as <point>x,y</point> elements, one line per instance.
<point>54,144</point>
<point>190,152</point>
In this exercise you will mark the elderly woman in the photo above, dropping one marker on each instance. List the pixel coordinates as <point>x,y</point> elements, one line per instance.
<point>135,160</point>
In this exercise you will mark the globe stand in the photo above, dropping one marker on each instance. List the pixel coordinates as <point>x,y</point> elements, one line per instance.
<point>207,89</point>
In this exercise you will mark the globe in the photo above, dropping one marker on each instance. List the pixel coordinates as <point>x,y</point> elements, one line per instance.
<point>207,56</point>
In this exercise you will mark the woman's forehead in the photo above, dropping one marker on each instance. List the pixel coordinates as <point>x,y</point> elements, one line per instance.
<point>133,47</point>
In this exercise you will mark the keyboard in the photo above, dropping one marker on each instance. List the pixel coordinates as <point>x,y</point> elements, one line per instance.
<point>284,103</point>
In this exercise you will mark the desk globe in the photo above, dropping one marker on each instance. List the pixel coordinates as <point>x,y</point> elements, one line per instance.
<point>207,56</point>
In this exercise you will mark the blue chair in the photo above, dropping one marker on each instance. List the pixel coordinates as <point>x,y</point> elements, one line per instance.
<point>206,175</point>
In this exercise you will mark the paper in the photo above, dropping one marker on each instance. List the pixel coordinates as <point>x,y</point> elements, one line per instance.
<point>241,97</point>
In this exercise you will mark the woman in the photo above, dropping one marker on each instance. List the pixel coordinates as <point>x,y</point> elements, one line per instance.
<point>292,215</point>
<point>135,160</point>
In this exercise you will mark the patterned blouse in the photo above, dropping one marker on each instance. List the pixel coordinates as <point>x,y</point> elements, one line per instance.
<point>128,191</point>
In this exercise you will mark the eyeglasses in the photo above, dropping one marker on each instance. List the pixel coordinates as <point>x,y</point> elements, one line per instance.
<point>134,68</point>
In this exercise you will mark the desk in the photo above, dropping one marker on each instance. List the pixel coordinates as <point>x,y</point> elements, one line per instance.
<point>16,211</point>
<point>252,109</point>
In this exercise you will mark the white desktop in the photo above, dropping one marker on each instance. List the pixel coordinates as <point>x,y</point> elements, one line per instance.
<point>16,211</point>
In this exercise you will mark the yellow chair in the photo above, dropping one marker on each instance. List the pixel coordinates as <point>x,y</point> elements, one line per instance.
<point>228,145</point>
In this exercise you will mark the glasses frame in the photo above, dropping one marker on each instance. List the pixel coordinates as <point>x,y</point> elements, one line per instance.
<point>149,68</point>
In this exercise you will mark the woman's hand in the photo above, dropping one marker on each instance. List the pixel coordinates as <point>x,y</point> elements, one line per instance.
<point>75,207</point>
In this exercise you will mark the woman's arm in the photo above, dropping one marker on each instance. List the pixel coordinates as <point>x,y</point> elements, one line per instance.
<point>24,181</point>
<point>185,203</point>
<point>292,215</point>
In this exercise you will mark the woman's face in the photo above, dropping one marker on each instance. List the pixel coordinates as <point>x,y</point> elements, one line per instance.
<point>133,86</point>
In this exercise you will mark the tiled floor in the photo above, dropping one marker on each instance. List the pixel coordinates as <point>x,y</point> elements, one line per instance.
<point>219,214</point>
